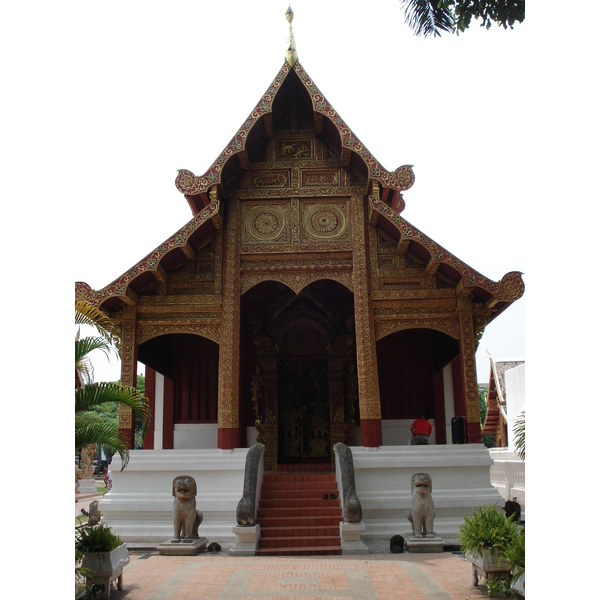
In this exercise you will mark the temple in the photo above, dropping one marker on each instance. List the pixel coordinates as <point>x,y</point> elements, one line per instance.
<point>297,307</point>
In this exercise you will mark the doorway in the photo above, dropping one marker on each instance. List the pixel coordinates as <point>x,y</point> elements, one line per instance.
<point>303,410</point>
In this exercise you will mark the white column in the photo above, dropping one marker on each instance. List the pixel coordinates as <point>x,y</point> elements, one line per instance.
<point>448,401</point>
<point>159,400</point>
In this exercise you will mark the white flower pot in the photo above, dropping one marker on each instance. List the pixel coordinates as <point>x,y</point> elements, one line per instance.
<point>519,586</point>
<point>486,564</point>
<point>106,567</point>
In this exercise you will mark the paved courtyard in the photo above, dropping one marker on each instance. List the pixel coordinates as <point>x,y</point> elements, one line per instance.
<point>150,576</point>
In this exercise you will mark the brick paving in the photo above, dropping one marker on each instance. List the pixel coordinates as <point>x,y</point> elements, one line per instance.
<point>385,576</point>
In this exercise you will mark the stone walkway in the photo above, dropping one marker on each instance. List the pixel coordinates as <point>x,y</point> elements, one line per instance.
<point>446,576</point>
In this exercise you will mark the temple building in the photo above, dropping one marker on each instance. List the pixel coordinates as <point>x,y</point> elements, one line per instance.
<point>297,307</point>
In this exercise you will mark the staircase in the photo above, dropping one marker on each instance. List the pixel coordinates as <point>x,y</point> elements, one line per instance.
<point>294,516</point>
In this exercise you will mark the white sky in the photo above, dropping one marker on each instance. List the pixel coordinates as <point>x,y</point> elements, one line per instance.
<point>102,103</point>
<point>161,89</point>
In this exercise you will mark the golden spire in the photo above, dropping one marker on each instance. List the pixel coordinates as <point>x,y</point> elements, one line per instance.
<point>290,54</point>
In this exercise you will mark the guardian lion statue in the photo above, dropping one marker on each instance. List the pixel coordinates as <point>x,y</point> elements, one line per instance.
<point>186,519</point>
<point>422,511</point>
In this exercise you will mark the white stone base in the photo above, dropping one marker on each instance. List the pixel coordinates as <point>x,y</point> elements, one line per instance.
<point>460,476</point>
<point>247,540</point>
<point>350,536</point>
<point>419,544</point>
<point>86,486</point>
<point>183,547</point>
<point>139,508</point>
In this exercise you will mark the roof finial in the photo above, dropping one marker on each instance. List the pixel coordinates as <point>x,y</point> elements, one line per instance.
<point>290,54</point>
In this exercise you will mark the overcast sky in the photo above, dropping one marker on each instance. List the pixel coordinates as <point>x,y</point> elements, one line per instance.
<point>166,88</point>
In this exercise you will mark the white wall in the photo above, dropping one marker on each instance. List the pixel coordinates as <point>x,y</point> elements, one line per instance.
<point>514,380</point>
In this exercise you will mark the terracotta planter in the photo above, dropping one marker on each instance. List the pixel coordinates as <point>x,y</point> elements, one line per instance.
<point>106,567</point>
<point>488,565</point>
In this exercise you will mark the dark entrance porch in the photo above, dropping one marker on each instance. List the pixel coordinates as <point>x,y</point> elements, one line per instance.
<point>298,371</point>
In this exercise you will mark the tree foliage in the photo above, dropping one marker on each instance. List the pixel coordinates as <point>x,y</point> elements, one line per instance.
<point>432,17</point>
<point>92,399</point>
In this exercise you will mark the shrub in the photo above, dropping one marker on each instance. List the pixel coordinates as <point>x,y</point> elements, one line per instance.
<point>96,539</point>
<point>488,528</point>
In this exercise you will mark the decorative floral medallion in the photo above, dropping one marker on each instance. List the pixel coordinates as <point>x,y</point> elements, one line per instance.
<point>265,223</point>
<point>324,221</point>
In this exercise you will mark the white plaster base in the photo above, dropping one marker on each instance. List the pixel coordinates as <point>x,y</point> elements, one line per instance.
<point>460,476</point>
<point>350,536</point>
<point>419,544</point>
<point>247,540</point>
<point>86,486</point>
<point>183,548</point>
<point>139,508</point>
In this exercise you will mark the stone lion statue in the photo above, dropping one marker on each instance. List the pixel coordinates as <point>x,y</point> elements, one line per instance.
<point>422,511</point>
<point>186,519</point>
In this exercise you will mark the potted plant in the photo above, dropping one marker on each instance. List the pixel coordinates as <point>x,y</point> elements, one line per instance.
<point>514,556</point>
<point>104,556</point>
<point>484,537</point>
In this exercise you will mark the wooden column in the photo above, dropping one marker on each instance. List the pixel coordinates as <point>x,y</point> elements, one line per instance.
<point>366,352</point>
<point>229,351</point>
<point>128,375</point>
<point>469,373</point>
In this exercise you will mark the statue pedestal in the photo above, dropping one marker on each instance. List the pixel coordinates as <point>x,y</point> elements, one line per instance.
<point>350,536</point>
<point>183,548</point>
<point>418,543</point>
<point>247,540</point>
<point>86,486</point>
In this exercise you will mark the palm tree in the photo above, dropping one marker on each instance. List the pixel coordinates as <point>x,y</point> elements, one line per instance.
<point>89,428</point>
<point>519,431</point>
<point>427,17</point>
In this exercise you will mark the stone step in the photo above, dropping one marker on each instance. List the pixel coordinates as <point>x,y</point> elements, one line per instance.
<point>297,516</point>
<point>300,541</point>
<point>299,530</point>
<point>299,521</point>
<point>301,551</point>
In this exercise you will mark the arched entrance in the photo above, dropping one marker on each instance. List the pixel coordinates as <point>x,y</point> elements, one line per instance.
<point>410,365</point>
<point>298,370</point>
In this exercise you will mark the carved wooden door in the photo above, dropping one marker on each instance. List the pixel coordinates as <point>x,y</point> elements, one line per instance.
<point>303,409</point>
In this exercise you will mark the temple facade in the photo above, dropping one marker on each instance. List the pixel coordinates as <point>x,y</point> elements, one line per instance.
<point>298,307</point>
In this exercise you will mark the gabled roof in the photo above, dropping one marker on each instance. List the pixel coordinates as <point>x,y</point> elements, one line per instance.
<point>259,124</point>
<point>206,193</point>
<point>497,393</point>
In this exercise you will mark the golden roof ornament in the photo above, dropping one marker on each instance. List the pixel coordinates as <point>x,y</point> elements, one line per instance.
<point>291,55</point>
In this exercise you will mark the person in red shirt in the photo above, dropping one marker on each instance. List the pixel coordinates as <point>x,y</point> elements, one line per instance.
<point>421,430</point>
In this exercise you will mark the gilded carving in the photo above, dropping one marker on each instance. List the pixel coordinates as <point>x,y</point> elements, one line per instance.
<point>296,280</point>
<point>271,179</point>
<point>229,355</point>
<point>295,148</point>
<point>125,417</point>
<point>366,356</point>
<point>467,339</point>
<point>325,221</point>
<point>320,177</point>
